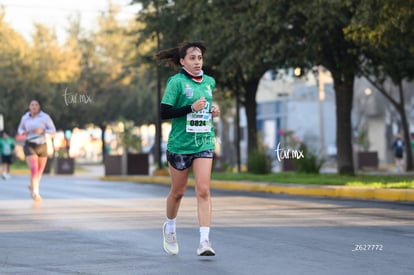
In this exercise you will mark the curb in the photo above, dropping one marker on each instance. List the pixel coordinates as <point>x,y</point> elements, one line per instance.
<point>366,193</point>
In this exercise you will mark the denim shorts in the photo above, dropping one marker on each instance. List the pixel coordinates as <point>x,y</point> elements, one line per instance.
<point>184,161</point>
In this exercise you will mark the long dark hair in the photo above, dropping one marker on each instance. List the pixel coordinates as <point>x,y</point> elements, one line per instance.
<point>174,55</point>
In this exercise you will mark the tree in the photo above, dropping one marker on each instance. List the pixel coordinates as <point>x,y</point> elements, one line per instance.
<point>325,44</point>
<point>257,36</point>
<point>14,67</point>
<point>55,68</point>
<point>111,76</point>
<point>241,52</point>
<point>96,68</point>
<point>185,20</point>
<point>247,38</point>
<point>388,53</point>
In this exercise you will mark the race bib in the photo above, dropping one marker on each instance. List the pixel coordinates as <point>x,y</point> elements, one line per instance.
<point>199,122</point>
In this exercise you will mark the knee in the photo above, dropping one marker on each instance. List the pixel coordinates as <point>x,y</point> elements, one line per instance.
<point>177,195</point>
<point>203,192</point>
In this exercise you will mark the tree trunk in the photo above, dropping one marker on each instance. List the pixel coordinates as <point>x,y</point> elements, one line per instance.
<point>344,94</point>
<point>124,161</point>
<point>103,148</point>
<point>400,108</point>
<point>406,128</point>
<point>251,112</point>
<point>237,133</point>
<point>407,138</point>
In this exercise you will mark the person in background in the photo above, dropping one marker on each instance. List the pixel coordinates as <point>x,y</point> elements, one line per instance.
<point>35,124</point>
<point>398,146</point>
<point>187,101</point>
<point>6,150</point>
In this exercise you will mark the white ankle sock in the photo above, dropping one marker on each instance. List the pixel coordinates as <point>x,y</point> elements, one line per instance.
<point>36,190</point>
<point>204,233</point>
<point>170,227</point>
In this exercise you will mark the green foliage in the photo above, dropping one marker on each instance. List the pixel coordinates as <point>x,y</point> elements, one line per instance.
<point>384,27</point>
<point>247,38</point>
<point>258,163</point>
<point>310,163</point>
<point>18,164</point>
<point>129,138</point>
<point>99,65</point>
<point>244,39</point>
<point>381,181</point>
<point>363,139</point>
<point>385,37</point>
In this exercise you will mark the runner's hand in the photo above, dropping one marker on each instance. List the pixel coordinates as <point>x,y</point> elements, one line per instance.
<point>215,111</point>
<point>199,104</point>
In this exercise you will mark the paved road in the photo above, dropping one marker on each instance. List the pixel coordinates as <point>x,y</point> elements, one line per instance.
<point>87,226</point>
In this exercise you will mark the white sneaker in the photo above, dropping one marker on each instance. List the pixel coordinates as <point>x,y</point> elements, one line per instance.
<point>170,241</point>
<point>35,196</point>
<point>205,249</point>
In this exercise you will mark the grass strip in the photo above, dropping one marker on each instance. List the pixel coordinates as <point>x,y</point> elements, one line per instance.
<point>376,181</point>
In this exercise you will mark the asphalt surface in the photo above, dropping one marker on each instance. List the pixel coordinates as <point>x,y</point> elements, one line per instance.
<point>350,192</point>
<point>88,226</point>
